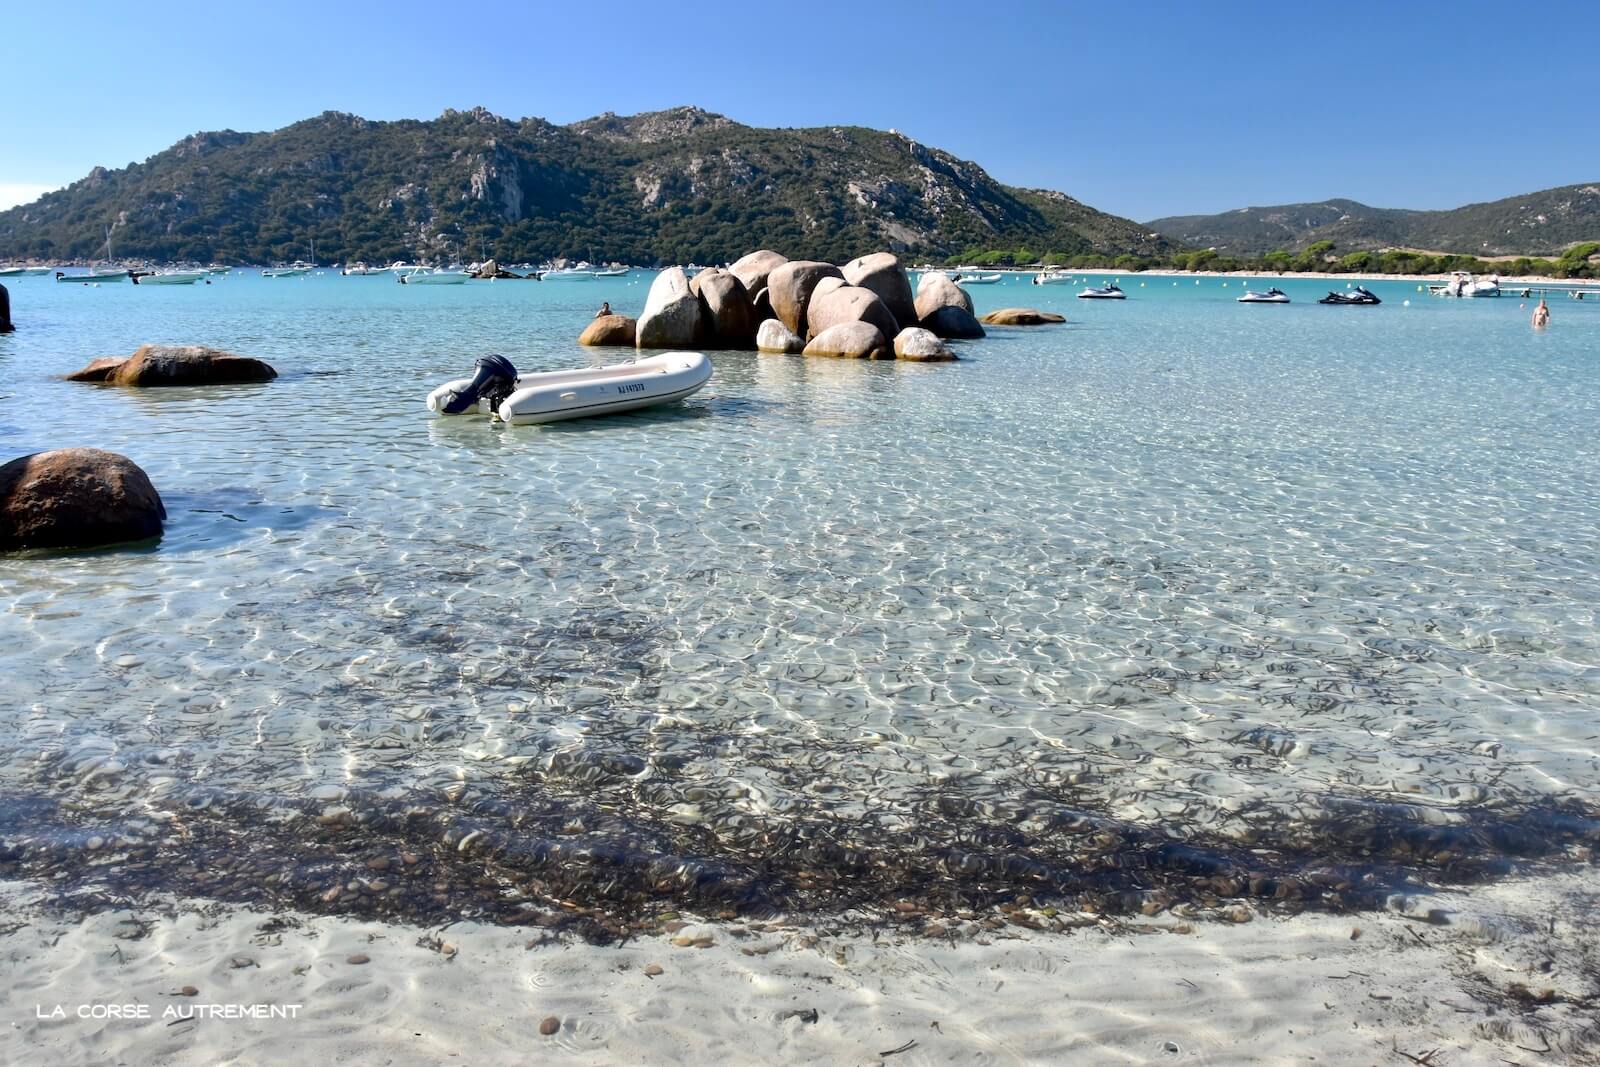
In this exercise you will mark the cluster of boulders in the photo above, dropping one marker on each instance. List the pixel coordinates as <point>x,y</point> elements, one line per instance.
<point>863,310</point>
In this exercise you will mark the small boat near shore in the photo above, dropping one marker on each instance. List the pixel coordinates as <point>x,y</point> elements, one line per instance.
<point>977,279</point>
<point>617,273</point>
<point>1108,291</point>
<point>1052,276</point>
<point>552,396</point>
<point>1463,284</point>
<point>170,277</point>
<point>93,276</point>
<point>294,270</point>
<point>428,276</point>
<point>1271,296</point>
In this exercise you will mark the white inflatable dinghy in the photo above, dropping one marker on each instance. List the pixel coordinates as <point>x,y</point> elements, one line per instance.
<point>551,396</point>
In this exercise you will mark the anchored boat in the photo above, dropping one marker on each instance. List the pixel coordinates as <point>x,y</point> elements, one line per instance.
<point>497,389</point>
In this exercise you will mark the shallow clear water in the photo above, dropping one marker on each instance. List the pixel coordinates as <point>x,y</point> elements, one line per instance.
<point>1306,588</point>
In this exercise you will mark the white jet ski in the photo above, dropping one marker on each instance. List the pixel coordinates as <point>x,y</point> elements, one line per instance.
<point>1271,296</point>
<point>1108,291</point>
<point>497,389</point>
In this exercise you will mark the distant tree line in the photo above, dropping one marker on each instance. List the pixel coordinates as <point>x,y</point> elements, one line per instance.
<point>1579,261</point>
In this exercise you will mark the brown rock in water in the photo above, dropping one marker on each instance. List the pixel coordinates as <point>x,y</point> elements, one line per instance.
<point>752,270</point>
<point>936,290</point>
<point>163,365</point>
<point>850,340</point>
<point>847,303</point>
<point>76,498</point>
<point>609,330</point>
<point>1020,317</point>
<point>550,1026</point>
<point>921,346</point>
<point>953,322</point>
<point>789,288</point>
<point>724,308</point>
<point>882,273</point>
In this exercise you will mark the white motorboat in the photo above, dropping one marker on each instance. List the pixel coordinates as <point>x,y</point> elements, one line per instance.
<point>1462,284</point>
<point>617,273</point>
<point>12,272</point>
<point>218,268</point>
<point>977,279</point>
<point>294,270</point>
<point>1108,291</point>
<point>170,277</point>
<point>1271,296</point>
<point>426,276</point>
<point>32,272</point>
<point>93,276</point>
<point>567,274</point>
<point>1052,276</point>
<point>361,270</point>
<point>497,389</point>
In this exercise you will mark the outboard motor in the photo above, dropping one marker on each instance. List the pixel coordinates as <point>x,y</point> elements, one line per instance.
<point>495,380</point>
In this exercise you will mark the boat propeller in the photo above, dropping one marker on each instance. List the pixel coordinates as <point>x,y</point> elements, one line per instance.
<point>494,380</point>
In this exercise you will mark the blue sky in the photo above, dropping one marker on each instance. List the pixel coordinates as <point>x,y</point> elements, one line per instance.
<point>1140,109</point>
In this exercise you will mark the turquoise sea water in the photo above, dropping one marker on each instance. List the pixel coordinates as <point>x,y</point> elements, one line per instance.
<point>1183,600</point>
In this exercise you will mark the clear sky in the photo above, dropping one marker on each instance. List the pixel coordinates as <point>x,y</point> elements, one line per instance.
<point>1142,109</point>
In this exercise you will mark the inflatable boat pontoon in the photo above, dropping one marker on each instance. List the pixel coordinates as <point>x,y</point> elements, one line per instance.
<point>498,389</point>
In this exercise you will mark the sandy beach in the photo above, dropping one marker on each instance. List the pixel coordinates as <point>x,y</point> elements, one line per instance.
<point>1508,975</point>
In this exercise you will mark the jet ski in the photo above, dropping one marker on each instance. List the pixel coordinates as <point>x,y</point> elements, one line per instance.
<point>1271,296</point>
<point>1108,291</point>
<point>1360,295</point>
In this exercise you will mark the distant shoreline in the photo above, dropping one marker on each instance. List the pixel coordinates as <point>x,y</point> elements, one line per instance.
<point>1505,279</point>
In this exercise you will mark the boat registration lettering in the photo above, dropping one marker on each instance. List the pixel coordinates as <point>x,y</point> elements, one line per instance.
<point>637,387</point>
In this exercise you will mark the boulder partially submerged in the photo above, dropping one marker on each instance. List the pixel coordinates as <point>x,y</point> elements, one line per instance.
<point>76,498</point>
<point>850,340</point>
<point>1021,317</point>
<point>612,330</point>
<point>936,290</point>
<point>953,322</point>
<point>725,308</point>
<point>921,346</point>
<point>774,336</point>
<point>671,317</point>
<point>164,365</point>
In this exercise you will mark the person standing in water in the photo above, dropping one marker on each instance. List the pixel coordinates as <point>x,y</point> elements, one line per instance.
<point>1541,315</point>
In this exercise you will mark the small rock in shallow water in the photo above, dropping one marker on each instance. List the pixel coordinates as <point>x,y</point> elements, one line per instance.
<point>359,958</point>
<point>651,970</point>
<point>188,991</point>
<point>550,1026</point>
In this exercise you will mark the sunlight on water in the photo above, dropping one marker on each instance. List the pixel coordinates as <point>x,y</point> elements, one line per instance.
<point>1178,596</point>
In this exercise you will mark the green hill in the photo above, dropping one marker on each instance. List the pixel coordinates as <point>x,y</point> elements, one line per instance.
<point>1534,224</point>
<point>667,187</point>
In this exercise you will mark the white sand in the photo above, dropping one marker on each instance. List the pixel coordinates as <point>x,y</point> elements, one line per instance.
<point>1268,991</point>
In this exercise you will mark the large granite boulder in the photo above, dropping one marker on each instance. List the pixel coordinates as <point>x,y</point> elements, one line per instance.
<point>609,330</point>
<point>774,336</point>
<point>848,303</point>
<point>789,288</point>
<point>953,322</point>
<point>850,340</point>
<point>1020,317</point>
<point>921,346</point>
<point>671,317</point>
<point>76,498</point>
<point>724,308</point>
<point>752,270</point>
<point>936,290</point>
<point>161,365</point>
<point>882,273</point>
